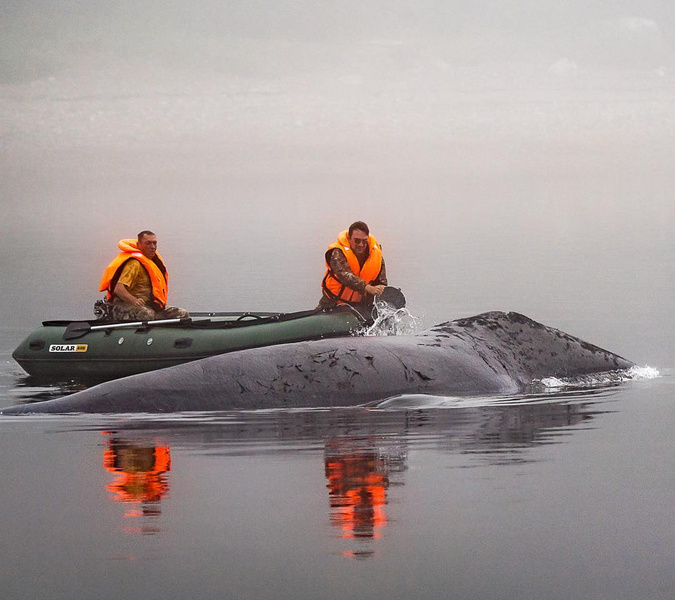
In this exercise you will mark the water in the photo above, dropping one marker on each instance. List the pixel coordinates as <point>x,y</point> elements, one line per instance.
<point>493,183</point>
<point>538,498</point>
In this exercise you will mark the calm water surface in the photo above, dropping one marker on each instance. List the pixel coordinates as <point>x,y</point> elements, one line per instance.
<point>509,498</point>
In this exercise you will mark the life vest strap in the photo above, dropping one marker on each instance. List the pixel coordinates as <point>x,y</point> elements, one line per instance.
<point>331,295</point>
<point>337,297</point>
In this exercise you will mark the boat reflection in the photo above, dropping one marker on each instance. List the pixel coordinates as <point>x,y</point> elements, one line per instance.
<point>140,479</point>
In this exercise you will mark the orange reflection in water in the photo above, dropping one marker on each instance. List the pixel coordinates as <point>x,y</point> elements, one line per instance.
<point>141,479</point>
<point>358,479</point>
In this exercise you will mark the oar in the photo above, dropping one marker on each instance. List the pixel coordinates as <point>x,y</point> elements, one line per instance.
<point>79,328</point>
<point>393,297</point>
<point>253,315</point>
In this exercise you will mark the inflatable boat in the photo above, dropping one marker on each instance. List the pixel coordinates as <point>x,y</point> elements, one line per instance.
<point>100,350</point>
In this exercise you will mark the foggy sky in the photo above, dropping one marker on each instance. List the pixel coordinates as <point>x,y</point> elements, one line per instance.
<point>181,70</point>
<point>512,135</point>
<point>263,39</point>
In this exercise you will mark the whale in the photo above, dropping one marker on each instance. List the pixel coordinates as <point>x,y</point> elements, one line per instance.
<point>492,353</point>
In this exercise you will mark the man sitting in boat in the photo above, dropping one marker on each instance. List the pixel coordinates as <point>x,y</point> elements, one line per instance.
<point>137,282</point>
<point>355,271</point>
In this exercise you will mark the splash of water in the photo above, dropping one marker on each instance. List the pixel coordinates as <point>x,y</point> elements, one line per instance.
<point>391,321</point>
<point>599,379</point>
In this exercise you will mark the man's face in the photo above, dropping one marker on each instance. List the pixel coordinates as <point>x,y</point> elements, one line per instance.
<point>148,245</point>
<point>358,242</point>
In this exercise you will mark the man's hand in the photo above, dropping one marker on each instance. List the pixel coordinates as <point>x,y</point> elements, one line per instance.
<point>122,292</point>
<point>374,290</point>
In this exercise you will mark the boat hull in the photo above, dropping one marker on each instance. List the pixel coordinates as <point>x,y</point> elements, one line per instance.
<point>109,353</point>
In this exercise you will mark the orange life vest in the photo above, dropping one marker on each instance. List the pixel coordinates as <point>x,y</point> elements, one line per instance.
<point>159,276</point>
<point>336,290</point>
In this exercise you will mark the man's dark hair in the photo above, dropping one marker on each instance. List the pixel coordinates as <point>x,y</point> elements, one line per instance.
<point>143,233</point>
<point>361,226</point>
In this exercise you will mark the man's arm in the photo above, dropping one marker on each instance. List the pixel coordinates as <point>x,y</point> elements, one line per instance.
<point>343,273</point>
<point>127,279</point>
<point>382,276</point>
<point>123,293</point>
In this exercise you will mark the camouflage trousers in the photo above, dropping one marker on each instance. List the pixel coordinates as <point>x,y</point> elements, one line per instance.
<point>121,311</point>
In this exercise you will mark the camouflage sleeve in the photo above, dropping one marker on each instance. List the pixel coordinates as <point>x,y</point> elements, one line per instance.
<point>382,277</point>
<point>340,267</point>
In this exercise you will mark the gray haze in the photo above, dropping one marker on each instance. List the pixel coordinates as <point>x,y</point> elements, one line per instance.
<point>508,155</point>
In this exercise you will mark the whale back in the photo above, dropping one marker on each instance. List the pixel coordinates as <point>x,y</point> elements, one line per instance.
<point>491,353</point>
<point>528,349</point>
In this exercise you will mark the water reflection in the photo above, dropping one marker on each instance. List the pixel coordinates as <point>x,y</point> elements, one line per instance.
<point>26,388</point>
<point>364,452</point>
<point>140,479</point>
<point>359,473</point>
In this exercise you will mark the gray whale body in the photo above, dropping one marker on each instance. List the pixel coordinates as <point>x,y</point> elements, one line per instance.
<point>491,353</point>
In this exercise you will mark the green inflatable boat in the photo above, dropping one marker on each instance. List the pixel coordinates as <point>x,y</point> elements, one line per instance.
<point>100,350</point>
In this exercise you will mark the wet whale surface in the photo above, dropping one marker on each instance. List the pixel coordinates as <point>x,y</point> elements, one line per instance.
<point>490,353</point>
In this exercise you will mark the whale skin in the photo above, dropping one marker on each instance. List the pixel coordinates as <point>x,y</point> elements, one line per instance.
<point>491,353</point>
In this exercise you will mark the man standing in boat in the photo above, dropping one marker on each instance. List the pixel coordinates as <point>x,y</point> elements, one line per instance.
<point>137,282</point>
<point>355,271</point>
